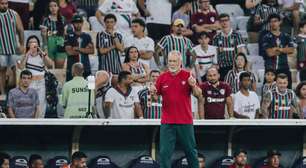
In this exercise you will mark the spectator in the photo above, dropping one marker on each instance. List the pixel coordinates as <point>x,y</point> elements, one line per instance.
<point>151,107</point>
<point>38,13</point>
<point>280,102</point>
<point>228,43</point>
<point>277,46</point>
<point>36,161</point>
<point>291,10</point>
<point>301,48</point>
<point>158,26</point>
<point>206,56</point>
<point>35,60</point>
<point>273,157</point>
<point>176,85</point>
<point>90,6</point>
<point>269,81</point>
<point>67,9</point>
<point>22,7</point>
<point>75,94</point>
<point>122,102</point>
<point>103,84</point>
<point>216,95</point>
<point>78,45</point>
<point>241,160</point>
<point>23,101</point>
<point>232,77</point>
<point>301,94</point>
<point>124,10</point>
<point>109,46</point>
<point>52,30</point>
<point>261,19</point>
<point>252,28</point>
<point>144,44</point>
<point>4,160</point>
<point>205,20</point>
<point>175,41</point>
<point>246,102</point>
<point>184,7</point>
<point>9,44</point>
<point>262,13</point>
<point>78,160</point>
<point>140,72</point>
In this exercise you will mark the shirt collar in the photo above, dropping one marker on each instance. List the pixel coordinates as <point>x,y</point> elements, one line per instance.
<point>229,33</point>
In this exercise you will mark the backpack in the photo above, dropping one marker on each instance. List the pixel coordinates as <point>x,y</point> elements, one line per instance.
<point>51,84</point>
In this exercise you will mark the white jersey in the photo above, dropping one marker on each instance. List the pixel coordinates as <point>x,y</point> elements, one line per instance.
<point>246,105</point>
<point>123,10</point>
<point>123,105</point>
<point>160,11</point>
<point>205,59</point>
<point>144,44</point>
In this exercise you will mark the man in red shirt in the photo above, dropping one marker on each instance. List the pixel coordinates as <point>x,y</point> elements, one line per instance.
<point>205,20</point>
<point>240,160</point>
<point>216,95</point>
<point>273,159</point>
<point>175,86</point>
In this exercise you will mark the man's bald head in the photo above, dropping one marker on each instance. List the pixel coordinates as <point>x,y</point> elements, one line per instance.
<point>77,69</point>
<point>213,75</point>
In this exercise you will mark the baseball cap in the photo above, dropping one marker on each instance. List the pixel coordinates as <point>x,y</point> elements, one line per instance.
<point>178,22</point>
<point>77,18</point>
<point>273,152</point>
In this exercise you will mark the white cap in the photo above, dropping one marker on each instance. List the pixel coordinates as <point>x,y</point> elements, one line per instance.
<point>91,82</point>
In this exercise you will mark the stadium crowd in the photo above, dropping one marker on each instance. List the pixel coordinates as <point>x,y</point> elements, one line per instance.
<point>100,59</point>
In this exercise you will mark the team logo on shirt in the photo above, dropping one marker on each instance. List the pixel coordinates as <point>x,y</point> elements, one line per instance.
<point>183,82</point>
<point>201,20</point>
<point>212,19</point>
<point>222,91</point>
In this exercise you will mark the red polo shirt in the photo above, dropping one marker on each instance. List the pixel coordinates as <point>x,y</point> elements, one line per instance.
<point>176,93</point>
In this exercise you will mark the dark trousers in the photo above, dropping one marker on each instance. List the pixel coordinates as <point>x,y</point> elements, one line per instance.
<point>185,134</point>
<point>223,72</point>
<point>157,31</point>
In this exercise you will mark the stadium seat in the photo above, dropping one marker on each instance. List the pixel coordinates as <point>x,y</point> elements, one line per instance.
<point>224,162</point>
<point>300,163</point>
<point>234,10</point>
<point>180,163</point>
<point>144,161</point>
<point>102,162</point>
<point>19,162</point>
<point>253,48</point>
<point>58,162</point>
<point>95,24</point>
<point>242,22</point>
<point>28,33</point>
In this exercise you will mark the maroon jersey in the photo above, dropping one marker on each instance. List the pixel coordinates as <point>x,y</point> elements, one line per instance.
<point>215,99</point>
<point>200,18</point>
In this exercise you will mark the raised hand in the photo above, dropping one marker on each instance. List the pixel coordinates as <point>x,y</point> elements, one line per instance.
<point>191,80</point>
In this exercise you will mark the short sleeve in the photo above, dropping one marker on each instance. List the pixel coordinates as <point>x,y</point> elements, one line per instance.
<point>109,97</point>
<point>151,45</point>
<point>10,102</point>
<point>87,40</point>
<point>189,45</point>
<point>228,91</point>
<point>163,42</point>
<point>68,41</point>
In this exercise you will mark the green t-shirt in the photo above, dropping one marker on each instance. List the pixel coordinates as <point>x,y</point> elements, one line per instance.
<point>75,98</point>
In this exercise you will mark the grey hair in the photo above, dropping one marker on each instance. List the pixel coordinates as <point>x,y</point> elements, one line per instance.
<point>98,73</point>
<point>176,53</point>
